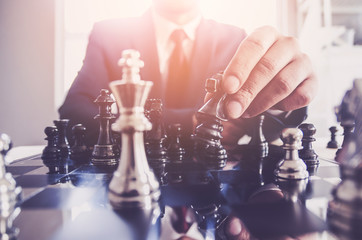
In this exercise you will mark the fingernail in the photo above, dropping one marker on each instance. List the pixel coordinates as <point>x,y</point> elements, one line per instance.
<point>234,228</point>
<point>234,109</point>
<point>246,114</point>
<point>231,84</point>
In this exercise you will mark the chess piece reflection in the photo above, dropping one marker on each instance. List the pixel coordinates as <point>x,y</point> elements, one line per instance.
<point>133,184</point>
<point>9,194</point>
<point>176,150</point>
<point>210,218</point>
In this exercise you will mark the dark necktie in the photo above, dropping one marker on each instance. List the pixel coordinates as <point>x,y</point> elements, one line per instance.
<point>178,72</point>
<point>181,225</point>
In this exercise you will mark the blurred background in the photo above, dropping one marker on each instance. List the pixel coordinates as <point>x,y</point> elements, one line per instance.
<point>43,42</point>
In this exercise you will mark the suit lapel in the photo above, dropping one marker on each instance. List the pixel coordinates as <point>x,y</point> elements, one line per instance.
<point>145,43</point>
<point>200,61</point>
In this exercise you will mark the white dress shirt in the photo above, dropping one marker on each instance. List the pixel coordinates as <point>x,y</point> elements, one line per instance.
<point>165,46</point>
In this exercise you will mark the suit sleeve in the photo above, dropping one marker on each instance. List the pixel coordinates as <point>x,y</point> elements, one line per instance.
<point>78,106</point>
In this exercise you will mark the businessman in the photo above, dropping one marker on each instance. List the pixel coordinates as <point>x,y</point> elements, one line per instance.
<point>264,71</point>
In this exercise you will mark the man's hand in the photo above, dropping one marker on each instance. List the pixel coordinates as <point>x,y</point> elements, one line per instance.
<point>268,71</point>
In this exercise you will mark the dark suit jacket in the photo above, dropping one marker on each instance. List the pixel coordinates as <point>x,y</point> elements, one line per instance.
<point>215,44</point>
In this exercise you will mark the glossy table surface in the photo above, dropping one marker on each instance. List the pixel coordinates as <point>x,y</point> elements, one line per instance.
<point>216,204</point>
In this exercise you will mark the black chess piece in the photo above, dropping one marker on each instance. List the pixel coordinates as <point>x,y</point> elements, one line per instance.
<point>52,156</point>
<point>333,142</point>
<point>79,151</point>
<point>176,151</point>
<point>104,153</point>
<point>210,216</point>
<point>348,127</point>
<point>307,153</point>
<point>346,115</point>
<point>207,138</point>
<point>51,151</point>
<point>344,214</point>
<point>62,141</point>
<point>155,139</point>
<point>117,143</point>
<point>256,151</point>
<point>258,142</point>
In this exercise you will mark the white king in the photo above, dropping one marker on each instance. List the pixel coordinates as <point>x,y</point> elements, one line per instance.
<point>133,183</point>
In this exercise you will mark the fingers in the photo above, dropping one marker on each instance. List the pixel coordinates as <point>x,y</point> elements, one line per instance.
<point>236,230</point>
<point>275,59</point>
<point>301,96</point>
<point>268,70</point>
<point>293,87</point>
<point>246,57</point>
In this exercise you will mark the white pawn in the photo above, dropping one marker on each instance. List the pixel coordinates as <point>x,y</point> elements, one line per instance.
<point>291,173</point>
<point>291,167</point>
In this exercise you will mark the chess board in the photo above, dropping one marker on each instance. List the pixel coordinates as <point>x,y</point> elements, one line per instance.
<point>73,204</point>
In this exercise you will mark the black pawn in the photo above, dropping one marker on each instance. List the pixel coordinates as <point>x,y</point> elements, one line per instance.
<point>117,143</point>
<point>51,155</point>
<point>307,153</point>
<point>348,127</point>
<point>207,141</point>
<point>156,137</point>
<point>79,151</point>
<point>104,153</point>
<point>258,142</point>
<point>333,142</point>
<point>258,147</point>
<point>51,151</point>
<point>62,141</point>
<point>176,152</point>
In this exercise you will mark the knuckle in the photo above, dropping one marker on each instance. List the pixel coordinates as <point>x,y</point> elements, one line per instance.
<point>303,57</point>
<point>269,29</point>
<point>267,65</point>
<point>303,99</point>
<point>305,63</point>
<point>257,43</point>
<point>245,96</point>
<point>284,86</point>
<point>234,70</point>
<point>291,41</point>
